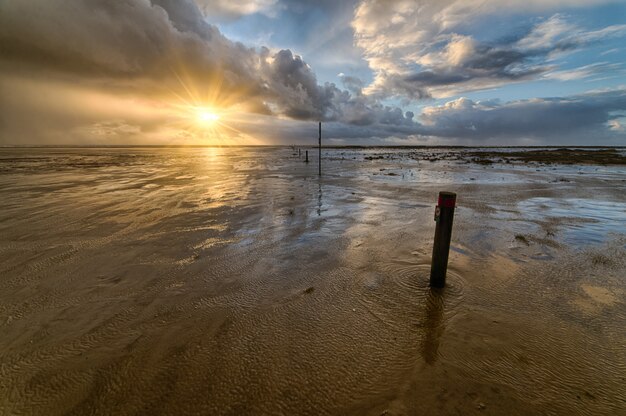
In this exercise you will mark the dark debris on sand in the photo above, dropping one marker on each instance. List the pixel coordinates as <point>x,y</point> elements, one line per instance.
<point>559,156</point>
<point>564,156</point>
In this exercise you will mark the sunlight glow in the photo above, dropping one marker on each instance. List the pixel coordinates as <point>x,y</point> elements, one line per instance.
<point>203,110</point>
<point>206,116</point>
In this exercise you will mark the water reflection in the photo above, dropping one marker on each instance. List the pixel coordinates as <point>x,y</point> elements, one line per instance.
<point>319,200</point>
<point>210,153</point>
<point>585,221</point>
<point>433,325</point>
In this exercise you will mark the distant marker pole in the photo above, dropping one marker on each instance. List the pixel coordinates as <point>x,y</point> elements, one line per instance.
<point>319,142</point>
<point>444,215</point>
<point>306,160</point>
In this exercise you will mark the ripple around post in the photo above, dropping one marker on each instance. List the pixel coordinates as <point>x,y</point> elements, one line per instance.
<point>413,278</point>
<point>399,296</point>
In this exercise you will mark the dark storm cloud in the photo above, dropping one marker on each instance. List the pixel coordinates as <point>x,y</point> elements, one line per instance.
<point>562,119</point>
<point>352,84</point>
<point>593,118</point>
<point>142,45</point>
<point>113,38</point>
<point>436,78</point>
<point>298,95</point>
<point>486,64</point>
<point>295,87</point>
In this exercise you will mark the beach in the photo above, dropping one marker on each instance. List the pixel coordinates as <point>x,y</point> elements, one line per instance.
<point>235,281</point>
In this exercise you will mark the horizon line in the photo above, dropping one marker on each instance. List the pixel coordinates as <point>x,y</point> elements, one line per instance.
<point>121,146</point>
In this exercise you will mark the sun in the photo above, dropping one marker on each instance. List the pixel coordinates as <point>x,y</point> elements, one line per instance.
<point>207,117</point>
<point>205,111</point>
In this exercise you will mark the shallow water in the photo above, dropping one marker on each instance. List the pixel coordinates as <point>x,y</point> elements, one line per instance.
<point>585,221</point>
<point>235,281</point>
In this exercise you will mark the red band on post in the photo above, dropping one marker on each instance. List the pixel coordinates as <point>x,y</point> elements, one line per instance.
<point>447,202</point>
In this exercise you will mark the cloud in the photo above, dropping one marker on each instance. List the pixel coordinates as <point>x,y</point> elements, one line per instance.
<point>113,39</point>
<point>120,67</point>
<point>596,117</point>
<point>586,71</point>
<point>557,35</point>
<point>556,120</point>
<point>592,118</point>
<point>232,9</point>
<point>151,46</point>
<point>352,83</point>
<point>419,50</point>
<point>224,10</point>
<point>616,125</point>
<point>151,51</point>
<point>101,118</point>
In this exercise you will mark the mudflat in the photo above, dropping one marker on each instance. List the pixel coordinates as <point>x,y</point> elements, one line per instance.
<point>236,281</point>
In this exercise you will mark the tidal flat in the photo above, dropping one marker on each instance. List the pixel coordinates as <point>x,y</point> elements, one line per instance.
<point>237,281</point>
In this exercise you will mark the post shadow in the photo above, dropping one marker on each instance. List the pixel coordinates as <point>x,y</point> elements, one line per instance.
<point>433,325</point>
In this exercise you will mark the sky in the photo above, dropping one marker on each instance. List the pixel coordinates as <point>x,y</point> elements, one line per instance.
<point>375,72</point>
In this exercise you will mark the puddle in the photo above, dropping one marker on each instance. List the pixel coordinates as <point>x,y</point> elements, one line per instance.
<point>582,221</point>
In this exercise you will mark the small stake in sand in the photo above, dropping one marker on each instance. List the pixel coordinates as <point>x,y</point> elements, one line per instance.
<point>444,214</point>
<point>306,153</point>
<point>299,152</point>
<point>320,150</point>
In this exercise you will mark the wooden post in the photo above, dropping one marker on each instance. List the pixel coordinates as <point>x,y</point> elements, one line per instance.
<point>299,152</point>
<point>444,215</point>
<point>320,149</point>
<point>306,160</point>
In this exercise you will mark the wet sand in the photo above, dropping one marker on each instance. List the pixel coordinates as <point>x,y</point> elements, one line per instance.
<point>235,281</point>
